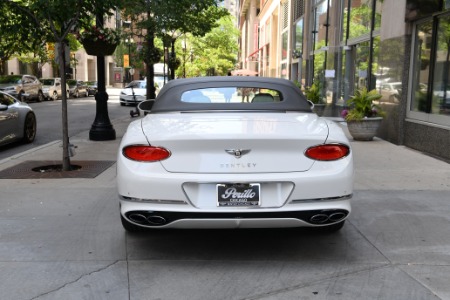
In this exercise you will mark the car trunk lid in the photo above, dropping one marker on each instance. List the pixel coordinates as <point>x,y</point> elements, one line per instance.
<point>235,142</point>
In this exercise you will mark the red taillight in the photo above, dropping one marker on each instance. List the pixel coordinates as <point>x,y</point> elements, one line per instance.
<point>145,153</point>
<point>328,152</point>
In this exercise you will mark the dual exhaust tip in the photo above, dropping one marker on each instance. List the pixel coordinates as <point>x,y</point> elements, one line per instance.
<point>328,217</point>
<point>141,219</point>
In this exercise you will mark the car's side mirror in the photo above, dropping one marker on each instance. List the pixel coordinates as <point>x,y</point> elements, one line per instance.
<point>146,106</point>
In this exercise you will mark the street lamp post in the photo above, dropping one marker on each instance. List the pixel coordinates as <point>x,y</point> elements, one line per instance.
<point>101,129</point>
<point>128,42</point>
<point>75,66</point>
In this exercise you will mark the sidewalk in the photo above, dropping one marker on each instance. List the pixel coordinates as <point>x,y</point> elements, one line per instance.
<point>63,238</point>
<point>378,164</point>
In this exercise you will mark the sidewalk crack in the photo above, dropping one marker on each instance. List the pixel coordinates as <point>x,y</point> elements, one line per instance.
<point>76,280</point>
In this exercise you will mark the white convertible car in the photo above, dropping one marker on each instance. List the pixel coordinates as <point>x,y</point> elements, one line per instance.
<point>233,152</point>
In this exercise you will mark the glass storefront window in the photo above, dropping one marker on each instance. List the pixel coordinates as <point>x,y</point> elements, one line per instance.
<point>284,43</point>
<point>422,50</point>
<point>299,36</point>
<point>360,17</point>
<point>440,103</point>
<point>320,19</point>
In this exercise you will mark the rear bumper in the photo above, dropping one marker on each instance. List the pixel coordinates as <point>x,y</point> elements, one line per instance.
<point>313,214</point>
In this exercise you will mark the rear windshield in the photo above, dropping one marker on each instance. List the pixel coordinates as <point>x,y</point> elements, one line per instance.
<point>232,95</point>
<point>47,81</point>
<point>137,85</point>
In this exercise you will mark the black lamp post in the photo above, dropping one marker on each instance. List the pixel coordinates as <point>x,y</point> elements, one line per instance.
<point>101,129</point>
<point>128,42</point>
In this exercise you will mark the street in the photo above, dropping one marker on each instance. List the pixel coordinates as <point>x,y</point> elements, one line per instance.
<point>81,115</point>
<point>62,239</point>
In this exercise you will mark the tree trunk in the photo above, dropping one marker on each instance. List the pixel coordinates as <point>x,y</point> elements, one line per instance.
<point>65,127</point>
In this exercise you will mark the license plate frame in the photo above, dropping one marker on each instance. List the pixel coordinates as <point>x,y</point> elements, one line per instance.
<point>238,194</point>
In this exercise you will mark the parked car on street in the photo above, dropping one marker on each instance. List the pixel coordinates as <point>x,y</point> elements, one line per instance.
<point>390,91</point>
<point>138,87</point>
<point>92,88</point>
<point>52,88</point>
<point>77,88</point>
<point>207,155</point>
<point>17,120</point>
<point>22,87</point>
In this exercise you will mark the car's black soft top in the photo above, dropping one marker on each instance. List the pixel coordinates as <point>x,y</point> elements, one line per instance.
<point>169,98</point>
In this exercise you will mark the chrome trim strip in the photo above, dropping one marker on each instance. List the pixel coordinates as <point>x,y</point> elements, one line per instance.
<point>345,197</point>
<point>154,201</point>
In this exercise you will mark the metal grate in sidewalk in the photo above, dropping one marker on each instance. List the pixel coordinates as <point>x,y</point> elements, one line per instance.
<point>41,169</point>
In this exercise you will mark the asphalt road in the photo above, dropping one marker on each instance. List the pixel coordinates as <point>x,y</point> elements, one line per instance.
<point>81,115</point>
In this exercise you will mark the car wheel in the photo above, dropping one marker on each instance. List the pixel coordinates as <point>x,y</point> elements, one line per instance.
<point>55,96</point>
<point>29,131</point>
<point>40,96</point>
<point>122,104</point>
<point>22,97</point>
<point>130,227</point>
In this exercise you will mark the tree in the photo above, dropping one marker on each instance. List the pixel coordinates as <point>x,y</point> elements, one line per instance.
<point>55,20</point>
<point>19,36</point>
<point>164,18</point>
<point>216,50</point>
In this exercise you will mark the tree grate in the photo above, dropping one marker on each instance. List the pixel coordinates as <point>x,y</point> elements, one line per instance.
<point>41,169</point>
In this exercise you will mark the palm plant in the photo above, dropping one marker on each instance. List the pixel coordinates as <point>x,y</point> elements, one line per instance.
<point>362,106</point>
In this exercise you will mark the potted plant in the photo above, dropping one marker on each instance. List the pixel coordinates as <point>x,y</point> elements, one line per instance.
<point>364,117</point>
<point>313,94</point>
<point>99,41</point>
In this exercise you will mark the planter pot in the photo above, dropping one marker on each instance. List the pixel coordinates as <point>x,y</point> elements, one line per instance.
<point>365,129</point>
<point>99,48</point>
<point>319,109</point>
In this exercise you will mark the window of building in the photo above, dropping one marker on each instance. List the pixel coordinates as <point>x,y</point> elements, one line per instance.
<point>430,96</point>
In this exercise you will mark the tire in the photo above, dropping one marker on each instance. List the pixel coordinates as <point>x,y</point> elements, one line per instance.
<point>40,96</point>
<point>22,97</point>
<point>54,97</point>
<point>29,130</point>
<point>130,227</point>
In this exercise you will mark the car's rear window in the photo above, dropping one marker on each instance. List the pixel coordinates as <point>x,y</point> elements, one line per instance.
<point>232,95</point>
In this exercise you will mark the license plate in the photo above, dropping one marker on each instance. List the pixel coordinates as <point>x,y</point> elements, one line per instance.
<point>238,194</point>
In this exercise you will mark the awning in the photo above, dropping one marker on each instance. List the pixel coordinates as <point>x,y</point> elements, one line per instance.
<point>256,51</point>
<point>244,72</point>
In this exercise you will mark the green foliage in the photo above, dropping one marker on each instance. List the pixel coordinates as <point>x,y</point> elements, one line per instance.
<point>217,50</point>
<point>313,93</point>
<point>94,33</point>
<point>362,106</point>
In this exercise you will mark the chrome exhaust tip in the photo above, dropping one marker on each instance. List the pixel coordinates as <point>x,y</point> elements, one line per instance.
<point>336,217</point>
<point>138,218</point>
<point>156,220</point>
<point>319,219</point>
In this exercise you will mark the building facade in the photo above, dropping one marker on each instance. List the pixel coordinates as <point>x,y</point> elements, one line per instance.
<point>399,47</point>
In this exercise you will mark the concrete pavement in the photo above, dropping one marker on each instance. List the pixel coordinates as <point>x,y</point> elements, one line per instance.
<point>62,239</point>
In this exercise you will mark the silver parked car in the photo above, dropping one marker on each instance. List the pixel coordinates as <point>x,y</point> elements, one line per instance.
<point>23,87</point>
<point>17,120</point>
<point>52,88</point>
